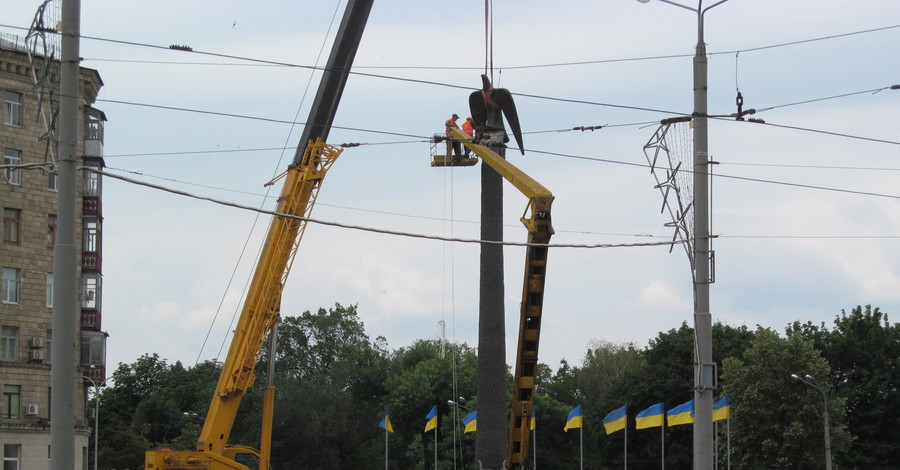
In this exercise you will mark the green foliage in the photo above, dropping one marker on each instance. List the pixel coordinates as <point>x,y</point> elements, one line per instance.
<point>777,420</point>
<point>333,384</point>
<point>863,351</point>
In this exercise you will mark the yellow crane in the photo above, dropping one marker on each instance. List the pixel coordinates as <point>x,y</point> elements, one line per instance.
<point>262,304</point>
<point>259,314</point>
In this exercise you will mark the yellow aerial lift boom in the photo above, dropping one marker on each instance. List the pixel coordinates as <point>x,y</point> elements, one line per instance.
<point>263,300</point>
<point>539,232</point>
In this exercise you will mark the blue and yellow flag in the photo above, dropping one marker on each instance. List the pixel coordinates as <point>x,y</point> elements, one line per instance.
<point>721,409</point>
<point>681,414</point>
<point>386,422</point>
<point>431,419</point>
<point>650,418</point>
<point>575,419</point>
<point>616,420</point>
<point>532,423</point>
<point>470,421</point>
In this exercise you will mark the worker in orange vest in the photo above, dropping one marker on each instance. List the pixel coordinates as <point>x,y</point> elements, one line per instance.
<point>451,123</point>
<point>469,128</point>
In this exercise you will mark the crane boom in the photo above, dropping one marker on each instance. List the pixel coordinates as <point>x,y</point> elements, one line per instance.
<point>262,304</point>
<point>539,232</point>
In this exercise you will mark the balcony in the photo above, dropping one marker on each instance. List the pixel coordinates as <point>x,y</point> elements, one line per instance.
<point>91,205</point>
<point>91,319</point>
<point>96,372</point>
<point>92,261</point>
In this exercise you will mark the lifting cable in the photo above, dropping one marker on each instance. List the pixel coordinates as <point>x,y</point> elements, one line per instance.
<point>489,39</point>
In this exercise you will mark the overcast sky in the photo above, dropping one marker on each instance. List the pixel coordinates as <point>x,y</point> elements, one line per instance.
<point>175,268</point>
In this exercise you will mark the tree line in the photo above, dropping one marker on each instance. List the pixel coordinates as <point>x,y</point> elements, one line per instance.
<point>334,383</point>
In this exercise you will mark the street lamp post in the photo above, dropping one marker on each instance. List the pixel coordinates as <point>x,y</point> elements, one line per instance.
<point>459,403</point>
<point>812,383</point>
<point>704,367</point>
<point>96,412</point>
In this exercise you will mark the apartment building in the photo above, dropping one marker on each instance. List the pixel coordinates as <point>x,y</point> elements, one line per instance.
<point>29,84</point>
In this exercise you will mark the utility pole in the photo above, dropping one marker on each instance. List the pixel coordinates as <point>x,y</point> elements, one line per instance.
<point>65,252</point>
<point>704,366</point>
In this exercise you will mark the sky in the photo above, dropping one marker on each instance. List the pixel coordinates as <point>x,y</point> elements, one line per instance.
<point>805,208</point>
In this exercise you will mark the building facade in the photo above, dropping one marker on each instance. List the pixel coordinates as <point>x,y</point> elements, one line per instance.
<point>29,84</point>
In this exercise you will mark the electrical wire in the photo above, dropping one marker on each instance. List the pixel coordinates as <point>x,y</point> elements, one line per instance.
<point>638,108</point>
<point>719,175</point>
<point>260,62</point>
<point>815,100</point>
<point>371,229</point>
<point>815,131</point>
<point>452,219</point>
<point>822,167</point>
<point>129,180</point>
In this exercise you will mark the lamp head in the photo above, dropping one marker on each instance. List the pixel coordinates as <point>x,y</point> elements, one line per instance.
<point>795,376</point>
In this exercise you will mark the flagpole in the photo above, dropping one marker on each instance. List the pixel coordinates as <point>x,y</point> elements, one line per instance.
<point>385,445</point>
<point>626,443</point>
<point>662,444</point>
<point>728,440</point>
<point>435,448</point>
<point>534,447</point>
<point>716,444</point>
<point>581,438</point>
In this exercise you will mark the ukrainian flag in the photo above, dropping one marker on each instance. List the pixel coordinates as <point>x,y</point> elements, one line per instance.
<point>431,419</point>
<point>533,421</point>
<point>721,409</point>
<point>681,414</point>
<point>386,422</point>
<point>649,418</point>
<point>575,419</point>
<point>616,420</point>
<point>470,421</point>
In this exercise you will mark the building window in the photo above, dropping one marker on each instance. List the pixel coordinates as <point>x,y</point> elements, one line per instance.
<point>91,183</point>
<point>51,230</point>
<point>93,348</point>
<point>10,286</point>
<point>13,114</point>
<point>12,402</point>
<point>12,157</point>
<point>48,351</point>
<point>52,180</point>
<point>91,235</point>
<point>12,219</point>
<point>90,295</point>
<point>11,456</point>
<point>9,343</point>
<point>50,290</point>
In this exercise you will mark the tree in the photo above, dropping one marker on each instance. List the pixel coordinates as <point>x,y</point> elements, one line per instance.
<point>330,384</point>
<point>776,420</point>
<point>863,351</point>
<point>145,409</point>
<point>419,379</point>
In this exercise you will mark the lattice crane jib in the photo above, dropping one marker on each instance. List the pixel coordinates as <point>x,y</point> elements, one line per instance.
<point>670,154</point>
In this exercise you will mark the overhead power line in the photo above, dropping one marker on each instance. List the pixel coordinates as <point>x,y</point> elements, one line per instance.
<point>419,67</point>
<point>428,82</point>
<point>720,175</point>
<point>369,229</point>
<point>816,131</point>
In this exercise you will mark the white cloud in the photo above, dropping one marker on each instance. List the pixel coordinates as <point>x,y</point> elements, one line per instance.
<point>660,295</point>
